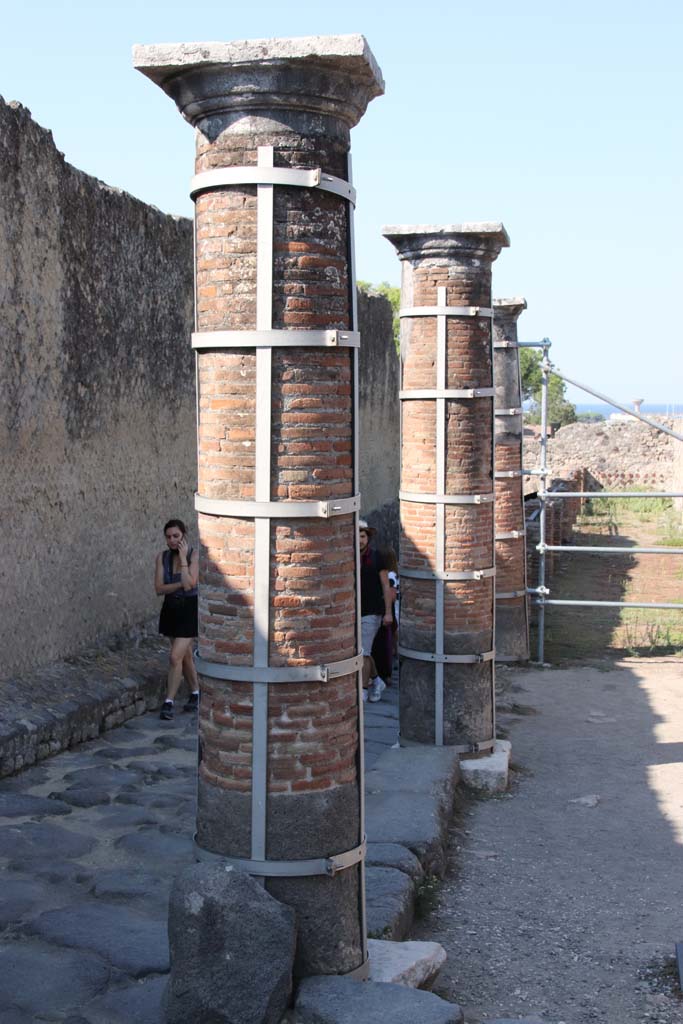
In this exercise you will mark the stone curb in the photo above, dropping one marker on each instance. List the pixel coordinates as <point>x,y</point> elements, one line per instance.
<point>410,798</point>
<point>66,703</point>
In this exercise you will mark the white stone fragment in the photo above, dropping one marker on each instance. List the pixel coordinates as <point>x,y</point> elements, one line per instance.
<point>413,964</point>
<point>488,775</point>
<point>591,800</point>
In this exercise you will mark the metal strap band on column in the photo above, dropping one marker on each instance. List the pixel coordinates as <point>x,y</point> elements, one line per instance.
<point>447,659</point>
<point>505,344</point>
<point>290,177</point>
<point>508,412</point>
<point>510,594</point>
<point>277,509</point>
<point>284,674</point>
<point>275,339</point>
<point>446,575</point>
<point>445,311</point>
<point>426,393</point>
<point>288,868</point>
<point>446,499</point>
<point>502,474</point>
<point>474,748</point>
<point>511,535</point>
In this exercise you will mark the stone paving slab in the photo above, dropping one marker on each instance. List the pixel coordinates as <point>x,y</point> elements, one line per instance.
<point>334,1000</point>
<point>389,895</point>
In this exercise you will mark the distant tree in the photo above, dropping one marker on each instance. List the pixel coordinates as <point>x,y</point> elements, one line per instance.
<point>560,411</point>
<point>590,417</point>
<point>393,294</point>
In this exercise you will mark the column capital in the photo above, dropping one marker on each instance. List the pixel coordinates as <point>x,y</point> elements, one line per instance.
<point>336,76</point>
<point>415,242</point>
<point>508,309</point>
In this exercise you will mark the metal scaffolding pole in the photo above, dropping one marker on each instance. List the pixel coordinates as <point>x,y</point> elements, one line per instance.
<point>545,371</point>
<point>541,591</point>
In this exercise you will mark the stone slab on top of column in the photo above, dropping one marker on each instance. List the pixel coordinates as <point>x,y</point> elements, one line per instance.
<point>509,309</point>
<point>420,241</point>
<point>335,76</point>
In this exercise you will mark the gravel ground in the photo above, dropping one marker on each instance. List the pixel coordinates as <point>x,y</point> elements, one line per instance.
<point>564,898</point>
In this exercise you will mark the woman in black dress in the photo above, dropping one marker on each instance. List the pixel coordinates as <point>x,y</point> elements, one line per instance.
<point>175,577</point>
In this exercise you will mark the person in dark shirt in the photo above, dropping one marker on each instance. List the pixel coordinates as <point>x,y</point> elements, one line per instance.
<point>376,600</point>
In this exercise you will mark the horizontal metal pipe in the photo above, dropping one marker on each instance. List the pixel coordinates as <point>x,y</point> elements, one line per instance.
<point>601,551</point>
<point>617,405</point>
<point>612,604</point>
<point>534,344</point>
<point>610,494</point>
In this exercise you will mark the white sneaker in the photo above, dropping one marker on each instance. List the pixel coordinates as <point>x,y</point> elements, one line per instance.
<point>376,689</point>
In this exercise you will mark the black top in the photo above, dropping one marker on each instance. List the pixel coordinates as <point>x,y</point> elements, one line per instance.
<point>371,593</point>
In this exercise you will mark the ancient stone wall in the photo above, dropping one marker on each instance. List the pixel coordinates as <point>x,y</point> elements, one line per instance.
<point>96,397</point>
<point>616,455</point>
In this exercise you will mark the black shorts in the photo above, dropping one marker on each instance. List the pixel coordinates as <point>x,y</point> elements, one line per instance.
<point>179,616</point>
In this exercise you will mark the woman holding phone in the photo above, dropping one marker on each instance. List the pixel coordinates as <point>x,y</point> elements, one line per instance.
<point>175,577</point>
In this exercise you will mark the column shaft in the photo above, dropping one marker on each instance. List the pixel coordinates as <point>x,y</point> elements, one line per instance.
<point>512,620</point>
<point>447,539</point>
<point>280,776</point>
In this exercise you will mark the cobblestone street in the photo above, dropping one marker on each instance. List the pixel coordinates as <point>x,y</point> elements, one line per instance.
<point>90,841</point>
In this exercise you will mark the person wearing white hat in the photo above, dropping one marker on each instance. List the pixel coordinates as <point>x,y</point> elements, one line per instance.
<point>376,599</point>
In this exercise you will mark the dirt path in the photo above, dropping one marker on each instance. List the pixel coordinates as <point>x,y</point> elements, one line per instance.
<point>565,896</point>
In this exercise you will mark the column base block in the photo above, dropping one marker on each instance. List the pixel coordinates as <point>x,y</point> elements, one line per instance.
<point>488,775</point>
<point>413,964</point>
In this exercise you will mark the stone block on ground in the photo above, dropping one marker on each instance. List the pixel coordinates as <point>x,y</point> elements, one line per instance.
<point>335,1000</point>
<point>413,964</point>
<point>389,896</point>
<point>488,775</point>
<point>232,949</point>
<point>410,795</point>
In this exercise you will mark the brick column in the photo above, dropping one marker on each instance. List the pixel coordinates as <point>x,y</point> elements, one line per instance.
<point>446,498</point>
<point>280,775</point>
<point>512,620</point>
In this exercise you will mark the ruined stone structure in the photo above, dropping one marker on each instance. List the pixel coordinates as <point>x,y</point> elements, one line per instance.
<point>616,455</point>
<point>280,780</point>
<point>447,487</point>
<point>96,398</point>
<point>512,621</point>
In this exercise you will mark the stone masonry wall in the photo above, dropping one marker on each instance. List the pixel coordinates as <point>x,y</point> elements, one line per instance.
<point>96,398</point>
<point>617,455</point>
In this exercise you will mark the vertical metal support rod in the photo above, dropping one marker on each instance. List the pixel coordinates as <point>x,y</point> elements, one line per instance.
<point>264,356</point>
<point>545,372</point>
<point>493,532</point>
<point>355,358</point>
<point>440,512</point>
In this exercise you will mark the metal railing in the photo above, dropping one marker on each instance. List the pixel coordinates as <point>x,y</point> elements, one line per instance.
<point>541,591</point>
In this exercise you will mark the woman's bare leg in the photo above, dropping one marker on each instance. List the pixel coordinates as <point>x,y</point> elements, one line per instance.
<point>180,645</point>
<point>189,670</point>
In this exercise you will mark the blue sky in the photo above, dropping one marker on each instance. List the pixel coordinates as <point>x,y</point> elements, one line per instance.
<point>562,121</point>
